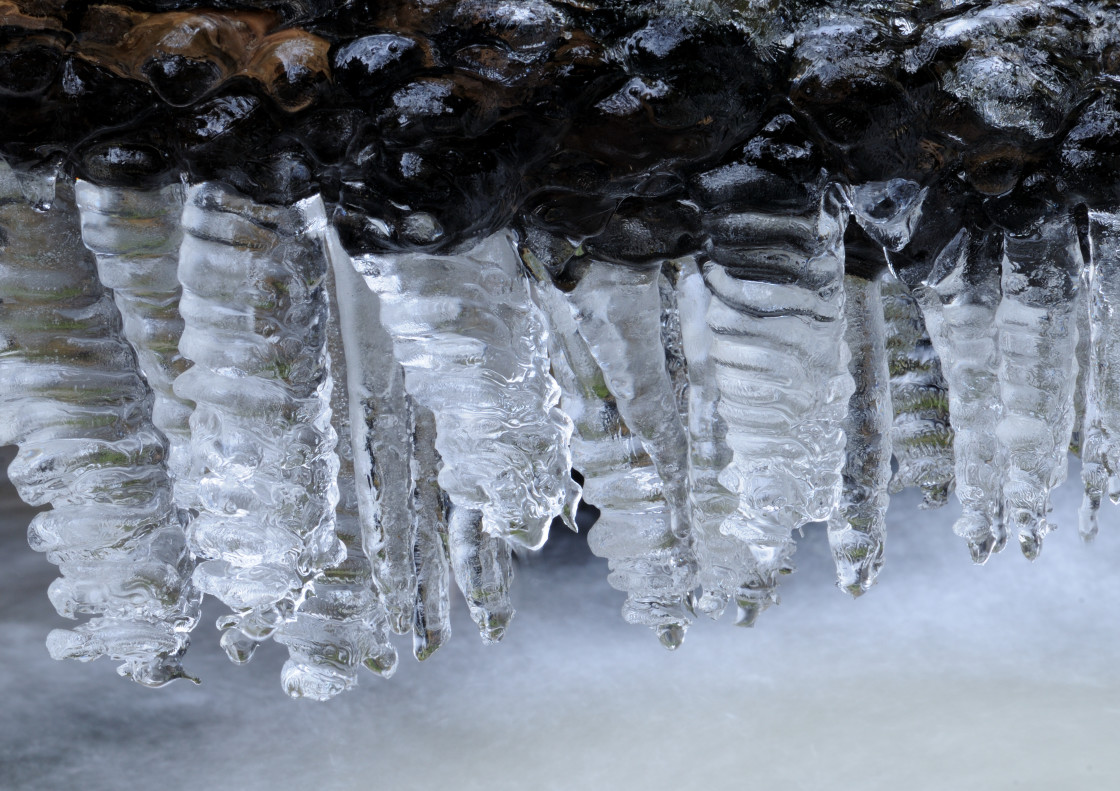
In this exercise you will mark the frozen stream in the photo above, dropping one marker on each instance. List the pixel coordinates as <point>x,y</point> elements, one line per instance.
<point>945,676</point>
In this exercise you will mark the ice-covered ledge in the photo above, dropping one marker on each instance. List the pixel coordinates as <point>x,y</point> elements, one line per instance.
<point>955,677</point>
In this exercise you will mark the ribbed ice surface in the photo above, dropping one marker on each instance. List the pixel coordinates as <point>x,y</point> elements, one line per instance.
<point>857,529</point>
<point>921,437</point>
<point>262,442</point>
<point>725,562</point>
<point>135,237</point>
<point>1100,449</point>
<point>473,346</point>
<point>634,533</point>
<point>1037,325</point>
<point>782,371</point>
<point>959,305</point>
<point>75,403</point>
<point>342,626</point>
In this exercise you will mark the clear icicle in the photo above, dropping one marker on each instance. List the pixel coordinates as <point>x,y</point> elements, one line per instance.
<point>782,370</point>
<point>618,312</point>
<point>135,236</point>
<point>725,562</point>
<point>73,399</point>
<point>473,347</point>
<point>921,436</point>
<point>652,566</point>
<point>342,626</point>
<point>1081,316</point>
<point>1100,450</point>
<point>431,619</point>
<point>959,304</point>
<point>381,439</point>
<point>1037,325</point>
<point>483,570</point>
<point>857,529</point>
<point>261,438</point>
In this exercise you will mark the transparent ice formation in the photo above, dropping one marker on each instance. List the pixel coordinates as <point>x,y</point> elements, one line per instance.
<point>857,528</point>
<point>921,436</point>
<point>1100,444</point>
<point>381,442</point>
<point>959,304</point>
<point>135,236</point>
<point>645,238</point>
<point>472,344</point>
<point>76,404</point>
<point>256,312</point>
<point>782,371</point>
<point>342,625</point>
<point>725,562</point>
<point>1037,326</point>
<point>647,561</point>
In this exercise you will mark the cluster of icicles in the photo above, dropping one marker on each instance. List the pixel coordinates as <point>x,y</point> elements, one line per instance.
<point>316,321</point>
<point>215,398</point>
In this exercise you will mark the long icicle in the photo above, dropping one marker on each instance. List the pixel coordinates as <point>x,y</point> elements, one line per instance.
<point>1038,369</point>
<point>380,438</point>
<point>652,566</point>
<point>431,619</point>
<point>782,370</point>
<point>342,627</point>
<point>135,236</point>
<point>261,437</point>
<point>1100,453</point>
<point>74,401</point>
<point>857,529</point>
<point>725,562</point>
<point>921,435</point>
<point>959,303</point>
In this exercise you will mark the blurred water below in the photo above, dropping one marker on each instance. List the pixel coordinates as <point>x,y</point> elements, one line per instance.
<point>945,676</point>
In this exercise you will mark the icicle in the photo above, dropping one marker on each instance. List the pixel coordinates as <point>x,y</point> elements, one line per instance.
<point>1037,372</point>
<point>647,561</point>
<point>256,322</point>
<point>857,529</point>
<point>782,370</point>
<point>1100,454</point>
<point>473,347</point>
<point>135,236</point>
<point>483,571</point>
<point>725,562</point>
<point>921,437</point>
<point>618,313</point>
<point>431,620</point>
<point>75,403</point>
<point>959,304</point>
<point>381,438</point>
<point>342,626</point>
